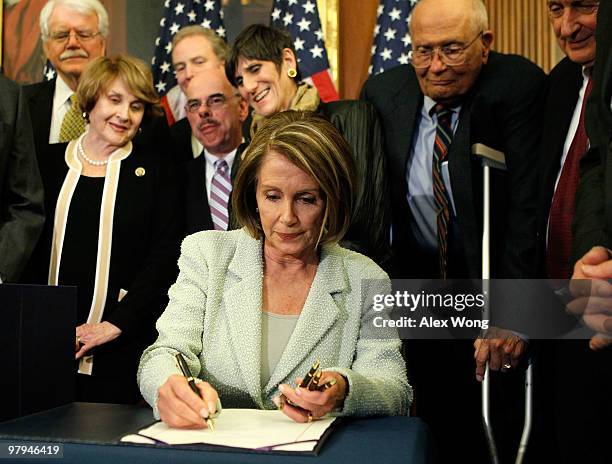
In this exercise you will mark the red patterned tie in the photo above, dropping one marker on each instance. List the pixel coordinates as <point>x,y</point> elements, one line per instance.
<point>562,208</point>
<point>444,136</point>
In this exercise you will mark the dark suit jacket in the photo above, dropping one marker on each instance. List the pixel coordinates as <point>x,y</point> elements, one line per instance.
<point>21,192</point>
<point>502,111</point>
<point>593,218</point>
<point>145,249</point>
<point>565,81</point>
<point>153,133</point>
<point>192,175</point>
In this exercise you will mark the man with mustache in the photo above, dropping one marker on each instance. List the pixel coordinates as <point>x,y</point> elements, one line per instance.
<point>215,111</point>
<point>74,33</point>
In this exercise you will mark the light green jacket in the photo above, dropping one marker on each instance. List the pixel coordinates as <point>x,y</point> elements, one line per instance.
<point>214,319</point>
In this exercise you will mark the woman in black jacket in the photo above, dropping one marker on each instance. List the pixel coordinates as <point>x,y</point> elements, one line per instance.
<point>112,229</point>
<point>263,66</point>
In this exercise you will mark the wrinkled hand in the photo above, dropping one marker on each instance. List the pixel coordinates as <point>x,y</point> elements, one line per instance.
<point>501,349</point>
<point>315,403</point>
<point>91,335</point>
<point>593,295</point>
<point>180,407</point>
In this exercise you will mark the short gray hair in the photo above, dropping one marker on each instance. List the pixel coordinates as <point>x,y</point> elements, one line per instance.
<point>85,7</point>
<point>220,48</point>
<point>479,16</point>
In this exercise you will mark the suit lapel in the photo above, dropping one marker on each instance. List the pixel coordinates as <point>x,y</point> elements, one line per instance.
<point>319,314</point>
<point>460,172</point>
<point>41,109</point>
<point>242,302</point>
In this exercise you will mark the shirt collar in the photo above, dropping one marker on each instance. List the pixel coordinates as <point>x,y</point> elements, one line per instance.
<point>62,93</point>
<point>229,157</point>
<point>429,103</point>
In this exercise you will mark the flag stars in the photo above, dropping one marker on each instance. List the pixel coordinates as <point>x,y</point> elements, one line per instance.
<point>403,59</point>
<point>395,14</point>
<point>168,47</point>
<point>319,34</point>
<point>317,52</point>
<point>192,16</point>
<point>390,34</point>
<point>220,31</point>
<point>165,67</point>
<point>174,28</point>
<point>179,9</point>
<point>50,74</point>
<point>292,2</point>
<point>288,19</point>
<point>380,10</point>
<point>303,24</point>
<point>309,7</point>
<point>406,40</point>
<point>276,14</point>
<point>162,23</point>
<point>209,5</point>
<point>206,24</point>
<point>160,86</point>
<point>386,54</point>
<point>298,44</point>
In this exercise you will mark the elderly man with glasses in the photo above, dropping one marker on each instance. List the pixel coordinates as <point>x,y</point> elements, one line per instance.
<point>74,33</point>
<point>215,112</point>
<point>458,92</point>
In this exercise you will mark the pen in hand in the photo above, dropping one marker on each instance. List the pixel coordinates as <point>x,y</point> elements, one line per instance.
<point>182,365</point>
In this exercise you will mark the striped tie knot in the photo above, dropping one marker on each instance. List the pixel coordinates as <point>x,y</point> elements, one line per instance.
<point>442,112</point>
<point>221,167</point>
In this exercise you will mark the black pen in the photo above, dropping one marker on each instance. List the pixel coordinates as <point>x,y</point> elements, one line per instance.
<point>191,381</point>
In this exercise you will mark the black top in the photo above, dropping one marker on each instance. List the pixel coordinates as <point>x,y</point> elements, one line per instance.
<point>80,249</point>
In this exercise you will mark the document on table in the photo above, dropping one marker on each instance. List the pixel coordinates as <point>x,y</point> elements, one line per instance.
<point>242,428</point>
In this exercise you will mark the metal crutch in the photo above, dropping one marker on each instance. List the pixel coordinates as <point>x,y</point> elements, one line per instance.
<point>495,159</point>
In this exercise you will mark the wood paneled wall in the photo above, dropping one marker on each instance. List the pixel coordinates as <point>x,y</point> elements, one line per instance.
<point>520,26</point>
<point>523,27</point>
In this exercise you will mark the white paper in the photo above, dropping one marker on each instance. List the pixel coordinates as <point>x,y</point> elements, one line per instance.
<point>243,428</point>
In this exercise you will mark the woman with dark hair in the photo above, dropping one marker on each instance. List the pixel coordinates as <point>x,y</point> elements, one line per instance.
<point>263,66</point>
<point>112,228</point>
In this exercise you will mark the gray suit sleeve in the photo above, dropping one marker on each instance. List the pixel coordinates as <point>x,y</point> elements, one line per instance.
<point>21,195</point>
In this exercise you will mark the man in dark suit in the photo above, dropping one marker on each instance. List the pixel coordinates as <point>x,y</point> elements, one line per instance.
<point>73,34</point>
<point>457,93</point>
<point>584,425</point>
<point>215,112</point>
<point>21,192</point>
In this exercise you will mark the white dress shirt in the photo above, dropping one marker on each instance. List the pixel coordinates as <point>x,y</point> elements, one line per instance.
<point>61,105</point>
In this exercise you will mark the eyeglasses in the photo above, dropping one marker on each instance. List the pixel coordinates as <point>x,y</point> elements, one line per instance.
<point>450,55</point>
<point>82,36</point>
<point>214,102</point>
<point>586,7</point>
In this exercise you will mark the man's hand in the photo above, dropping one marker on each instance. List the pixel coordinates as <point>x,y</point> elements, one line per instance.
<point>593,294</point>
<point>503,350</point>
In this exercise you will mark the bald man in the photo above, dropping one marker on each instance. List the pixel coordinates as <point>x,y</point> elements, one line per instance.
<point>458,92</point>
<point>212,145</point>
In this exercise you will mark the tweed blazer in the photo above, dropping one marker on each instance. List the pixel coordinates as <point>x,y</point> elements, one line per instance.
<point>214,320</point>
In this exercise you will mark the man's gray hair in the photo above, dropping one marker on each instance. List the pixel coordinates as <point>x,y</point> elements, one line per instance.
<point>479,17</point>
<point>85,7</point>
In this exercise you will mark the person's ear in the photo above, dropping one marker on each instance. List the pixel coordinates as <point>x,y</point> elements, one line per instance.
<point>487,42</point>
<point>243,109</point>
<point>289,60</point>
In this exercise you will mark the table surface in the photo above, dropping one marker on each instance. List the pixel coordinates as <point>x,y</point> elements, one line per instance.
<point>90,433</point>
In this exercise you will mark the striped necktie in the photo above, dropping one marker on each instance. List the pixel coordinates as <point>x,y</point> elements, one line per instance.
<point>444,135</point>
<point>219,195</point>
<point>73,124</point>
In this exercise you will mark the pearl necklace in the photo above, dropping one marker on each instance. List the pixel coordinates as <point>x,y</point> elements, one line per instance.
<point>89,160</point>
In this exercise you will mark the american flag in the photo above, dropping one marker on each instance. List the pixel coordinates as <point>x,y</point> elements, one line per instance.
<point>392,44</point>
<point>301,19</point>
<point>177,14</point>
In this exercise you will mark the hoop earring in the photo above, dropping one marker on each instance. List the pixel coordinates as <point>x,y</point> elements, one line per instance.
<point>292,72</point>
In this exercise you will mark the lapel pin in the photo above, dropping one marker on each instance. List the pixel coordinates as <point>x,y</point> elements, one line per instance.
<point>140,172</point>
